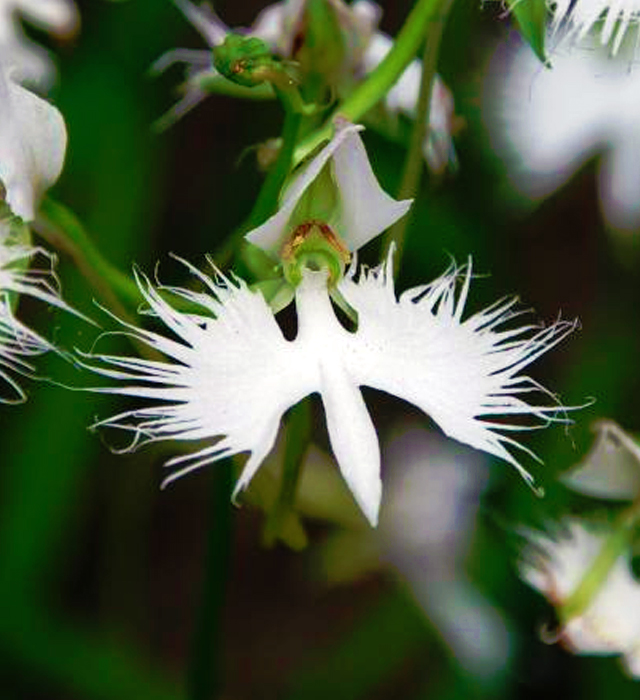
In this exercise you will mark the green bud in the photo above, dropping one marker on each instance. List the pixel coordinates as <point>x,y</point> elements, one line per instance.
<point>314,246</point>
<point>247,61</point>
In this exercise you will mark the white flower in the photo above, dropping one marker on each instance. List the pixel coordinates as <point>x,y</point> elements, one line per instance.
<point>611,623</point>
<point>546,123</point>
<point>231,374</point>
<point>30,61</point>
<point>362,210</point>
<point>579,17</point>
<point>33,140</point>
<point>611,469</point>
<point>17,341</point>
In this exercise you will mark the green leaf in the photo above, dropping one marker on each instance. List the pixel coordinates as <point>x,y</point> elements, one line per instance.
<point>531,17</point>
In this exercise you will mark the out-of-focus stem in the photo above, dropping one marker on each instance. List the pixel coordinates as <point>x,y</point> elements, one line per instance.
<point>414,162</point>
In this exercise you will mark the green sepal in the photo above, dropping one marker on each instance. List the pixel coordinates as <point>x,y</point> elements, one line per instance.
<point>531,16</point>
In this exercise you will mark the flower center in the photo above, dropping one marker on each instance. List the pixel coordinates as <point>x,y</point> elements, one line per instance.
<point>315,246</point>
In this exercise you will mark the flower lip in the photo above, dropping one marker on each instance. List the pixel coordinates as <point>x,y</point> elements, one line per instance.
<point>230,376</point>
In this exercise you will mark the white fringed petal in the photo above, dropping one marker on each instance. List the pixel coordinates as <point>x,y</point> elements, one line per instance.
<point>555,564</point>
<point>33,140</point>
<point>462,373</point>
<point>364,209</point>
<point>581,16</point>
<point>230,377</point>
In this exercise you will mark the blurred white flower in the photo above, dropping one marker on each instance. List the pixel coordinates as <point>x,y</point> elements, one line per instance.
<point>231,374</point>
<point>427,523</point>
<point>17,341</point>
<point>31,62</point>
<point>555,564</point>
<point>547,122</point>
<point>33,140</point>
<point>611,469</point>
<point>612,17</point>
<point>280,26</point>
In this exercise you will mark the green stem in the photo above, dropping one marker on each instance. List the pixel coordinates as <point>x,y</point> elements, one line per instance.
<point>267,201</point>
<point>379,82</point>
<point>60,227</point>
<point>204,674</point>
<point>414,162</point>
<point>595,576</point>
<point>298,437</point>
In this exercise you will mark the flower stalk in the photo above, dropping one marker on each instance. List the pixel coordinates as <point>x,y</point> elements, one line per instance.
<point>414,161</point>
<point>369,92</point>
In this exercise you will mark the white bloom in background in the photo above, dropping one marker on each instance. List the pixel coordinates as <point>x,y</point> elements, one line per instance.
<point>31,62</point>
<point>611,468</point>
<point>33,140</point>
<point>427,523</point>
<point>279,25</point>
<point>231,374</point>
<point>555,565</point>
<point>611,17</point>
<point>546,123</point>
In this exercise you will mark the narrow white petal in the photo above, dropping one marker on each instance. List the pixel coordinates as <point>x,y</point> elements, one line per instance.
<point>33,140</point>
<point>353,437</point>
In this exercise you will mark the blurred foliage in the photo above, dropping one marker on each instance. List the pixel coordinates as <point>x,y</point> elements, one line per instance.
<point>102,575</point>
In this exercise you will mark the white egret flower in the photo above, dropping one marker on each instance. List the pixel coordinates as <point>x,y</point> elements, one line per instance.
<point>33,140</point>
<point>230,374</point>
<point>555,565</point>
<point>30,61</point>
<point>547,122</point>
<point>611,17</point>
